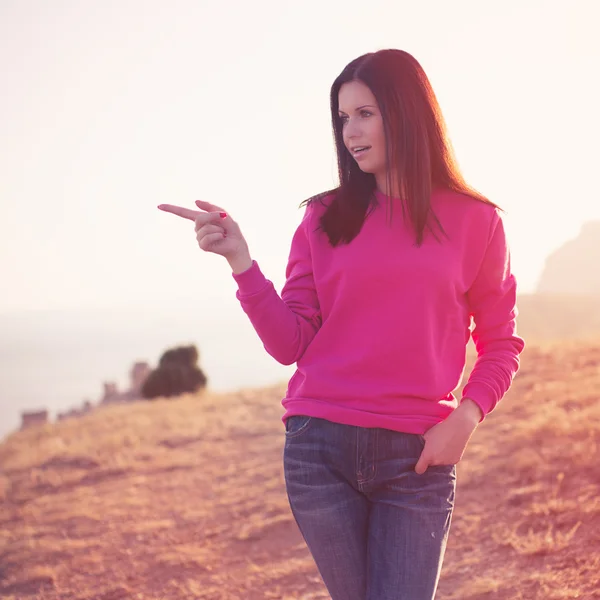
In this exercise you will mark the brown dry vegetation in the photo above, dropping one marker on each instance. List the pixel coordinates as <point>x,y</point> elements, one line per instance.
<point>185,499</point>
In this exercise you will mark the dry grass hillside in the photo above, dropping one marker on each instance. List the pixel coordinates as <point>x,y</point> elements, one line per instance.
<point>185,499</point>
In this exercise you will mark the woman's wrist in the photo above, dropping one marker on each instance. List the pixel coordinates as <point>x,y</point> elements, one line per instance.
<point>239,264</point>
<point>470,410</point>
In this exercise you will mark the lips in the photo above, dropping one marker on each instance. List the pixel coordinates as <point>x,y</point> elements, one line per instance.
<point>358,152</point>
<point>358,149</point>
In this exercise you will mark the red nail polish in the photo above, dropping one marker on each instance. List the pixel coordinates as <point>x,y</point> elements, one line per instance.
<point>223,215</point>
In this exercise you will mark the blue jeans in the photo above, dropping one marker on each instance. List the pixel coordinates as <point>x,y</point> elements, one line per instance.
<point>376,529</point>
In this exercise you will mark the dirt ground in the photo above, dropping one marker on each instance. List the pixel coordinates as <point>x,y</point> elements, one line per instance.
<point>185,499</point>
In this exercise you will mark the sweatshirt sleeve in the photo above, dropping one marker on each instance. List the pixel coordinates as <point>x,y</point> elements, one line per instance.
<point>492,302</point>
<point>286,324</point>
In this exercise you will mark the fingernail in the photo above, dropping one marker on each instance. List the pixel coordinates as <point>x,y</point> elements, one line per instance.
<point>160,206</point>
<point>222,215</point>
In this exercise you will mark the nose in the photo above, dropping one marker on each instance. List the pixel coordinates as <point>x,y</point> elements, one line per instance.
<point>352,129</point>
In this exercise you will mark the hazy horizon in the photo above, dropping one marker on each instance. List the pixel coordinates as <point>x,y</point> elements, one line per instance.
<point>58,359</point>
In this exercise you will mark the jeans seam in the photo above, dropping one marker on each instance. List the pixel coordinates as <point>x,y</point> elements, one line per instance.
<point>357,457</point>
<point>300,431</point>
<point>361,482</point>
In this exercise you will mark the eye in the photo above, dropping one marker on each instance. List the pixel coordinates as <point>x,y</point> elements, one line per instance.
<point>366,113</point>
<point>343,118</point>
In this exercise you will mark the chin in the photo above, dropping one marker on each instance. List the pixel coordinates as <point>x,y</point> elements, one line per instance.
<point>370,166</point>
<point>365,168</point>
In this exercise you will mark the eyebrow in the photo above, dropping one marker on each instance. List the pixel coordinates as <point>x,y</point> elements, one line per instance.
<point>359,108</point>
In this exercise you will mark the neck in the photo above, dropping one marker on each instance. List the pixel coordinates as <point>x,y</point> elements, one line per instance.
<point>383,187</point>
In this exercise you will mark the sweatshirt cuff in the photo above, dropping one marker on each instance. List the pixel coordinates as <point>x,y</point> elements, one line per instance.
<point>250,281</point>
<point>483,395</point>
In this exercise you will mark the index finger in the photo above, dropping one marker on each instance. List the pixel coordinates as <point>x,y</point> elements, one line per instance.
<point>180,211</point>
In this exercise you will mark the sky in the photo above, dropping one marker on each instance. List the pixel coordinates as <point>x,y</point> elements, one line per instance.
<point>109,108</point>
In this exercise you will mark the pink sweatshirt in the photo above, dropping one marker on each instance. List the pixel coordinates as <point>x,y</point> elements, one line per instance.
<point>378,328</point>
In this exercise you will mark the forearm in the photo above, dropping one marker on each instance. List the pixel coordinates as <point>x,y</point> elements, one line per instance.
<point>494,371</point>
<point>470,410</point>
<point>285,324</point>
<point>492,302</point>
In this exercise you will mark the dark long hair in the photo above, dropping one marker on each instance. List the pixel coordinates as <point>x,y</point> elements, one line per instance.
<point>417,146</point>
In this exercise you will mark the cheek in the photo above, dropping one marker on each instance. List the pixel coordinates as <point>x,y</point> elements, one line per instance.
<point>378,159</point>
<point>378,133</point>
<point>377,139</point>
<point>373,131</point>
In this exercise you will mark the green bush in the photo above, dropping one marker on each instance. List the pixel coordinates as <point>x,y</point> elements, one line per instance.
<point>177,373</point>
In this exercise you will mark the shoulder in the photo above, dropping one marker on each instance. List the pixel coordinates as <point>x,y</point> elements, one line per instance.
<point>476,211</point>
<point>316,205</point>
<point>320,201</point>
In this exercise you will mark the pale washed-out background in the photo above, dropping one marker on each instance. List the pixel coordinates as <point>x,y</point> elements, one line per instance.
<point>111,108</point>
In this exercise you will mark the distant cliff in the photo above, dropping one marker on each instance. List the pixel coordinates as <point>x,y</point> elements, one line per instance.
<point>575,267</point>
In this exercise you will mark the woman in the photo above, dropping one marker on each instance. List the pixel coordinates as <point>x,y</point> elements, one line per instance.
<point>376,313</point>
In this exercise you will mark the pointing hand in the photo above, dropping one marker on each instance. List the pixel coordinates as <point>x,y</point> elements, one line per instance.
<point>215,230</point>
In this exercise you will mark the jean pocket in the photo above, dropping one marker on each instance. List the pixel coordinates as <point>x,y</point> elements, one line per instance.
<point>296,424</point>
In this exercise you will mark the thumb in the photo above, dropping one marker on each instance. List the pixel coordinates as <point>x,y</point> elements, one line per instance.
<point>421,465</point>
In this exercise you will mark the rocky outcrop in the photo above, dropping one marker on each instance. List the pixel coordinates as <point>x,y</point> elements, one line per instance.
<point>575,267</point>
<point>33,418</point>
<point>177,373</point>
<point>85,408</point>
<point>137,376</point>
<point>112,395</point>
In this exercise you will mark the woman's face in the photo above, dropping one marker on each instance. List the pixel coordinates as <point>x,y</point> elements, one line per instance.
<point>362,127</point>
